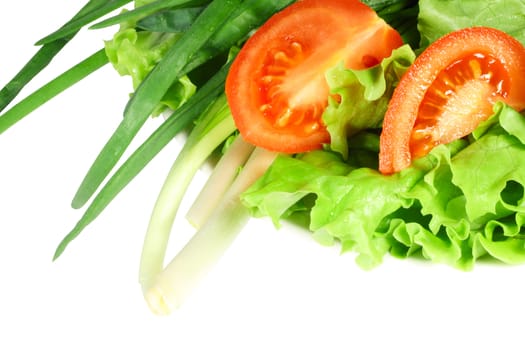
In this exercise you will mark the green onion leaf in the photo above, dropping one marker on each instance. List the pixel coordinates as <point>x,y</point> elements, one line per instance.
<point>52,89</point>
<point>98,9</point>
<point>170,21</point>
<point>44,56</point>
<point>146,10</point>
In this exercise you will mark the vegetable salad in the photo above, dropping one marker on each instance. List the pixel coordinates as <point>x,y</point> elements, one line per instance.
<point>459,202</point>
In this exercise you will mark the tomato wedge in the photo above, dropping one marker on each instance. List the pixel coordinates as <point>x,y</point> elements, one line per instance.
<point>451,87</point>
<point>276,87</point>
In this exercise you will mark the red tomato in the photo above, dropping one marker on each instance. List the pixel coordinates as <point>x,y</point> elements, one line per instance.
<point>276,87</point>
<point>450,88</point>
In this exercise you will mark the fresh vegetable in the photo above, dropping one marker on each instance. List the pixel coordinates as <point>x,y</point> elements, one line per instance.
<point>164,288</point>
<point>49,90</point>
<point>460,203</point>
<point>217,38</point>
<point>276,87</point>
<point>93,10</point>
<point>359,97</point>
<point>213,128</point>
<point>148,8</point>
<point>174,284</point>
<point>312,83</point>
<point>451,87</point>
<point>170,21</point>
<point>52,45</point>
<point>134,52</point>
<point>151,90</point>
<point>174,124</point>
<point>202,142</point>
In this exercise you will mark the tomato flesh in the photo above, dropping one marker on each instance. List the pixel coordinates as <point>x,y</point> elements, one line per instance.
<point>451,87</point>
<point>282,93</point>
<point>457,101</point>
<point>276,87</point>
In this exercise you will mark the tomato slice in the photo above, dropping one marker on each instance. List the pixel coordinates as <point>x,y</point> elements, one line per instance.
<point>276,87</point>
<point>451,87</point>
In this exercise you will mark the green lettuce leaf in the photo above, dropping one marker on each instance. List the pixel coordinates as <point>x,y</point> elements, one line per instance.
<point>274,198</point>
<point>359,98</point>
<point>474,199</point>
<point>438,17</point>
<point>462,202</point>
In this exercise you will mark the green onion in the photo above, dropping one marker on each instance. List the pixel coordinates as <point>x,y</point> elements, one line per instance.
<point>177,122</point>
<point>170,21</point>
<point>52,89</point>
<point>210,131</point>
<point>48,51</point>
<point>240,20</point>
<point>149,93</point>
<point>221,178</point>
<point>174,284</point>
<point>35,65</point>
<point>145,10</point>
<point>97,9</point>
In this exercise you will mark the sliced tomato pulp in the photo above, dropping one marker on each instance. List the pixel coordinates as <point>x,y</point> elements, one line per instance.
<point>276,87</point>
<point>451,87</point>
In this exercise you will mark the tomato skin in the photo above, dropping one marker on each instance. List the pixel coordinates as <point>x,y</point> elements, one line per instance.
<point>276,87</point>
<point>405,108</point>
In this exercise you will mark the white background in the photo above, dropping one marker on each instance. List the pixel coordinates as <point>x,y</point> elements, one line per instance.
<point>274,289</point>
